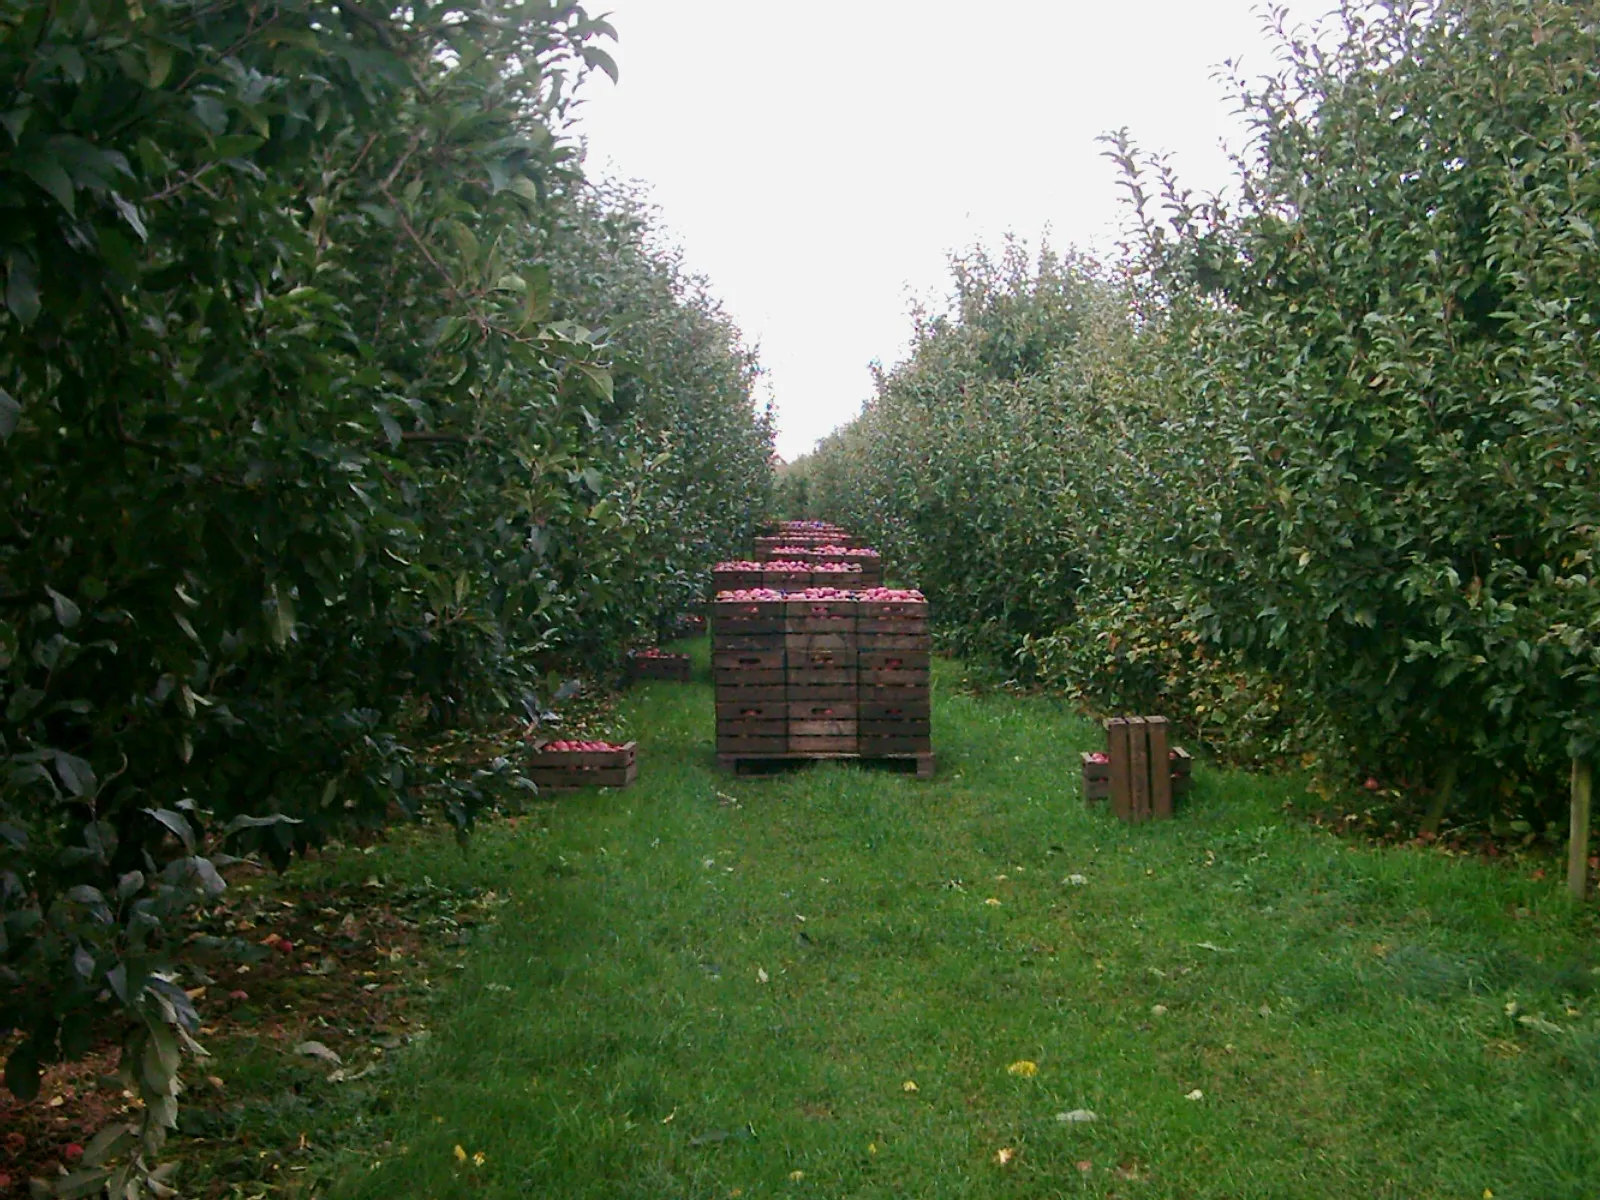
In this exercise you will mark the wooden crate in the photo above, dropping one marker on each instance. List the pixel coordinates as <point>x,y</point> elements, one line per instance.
<point>803,644</point>
<point>769,659</point>
<point>747,618</point>
<point>849,579</point>
<point>831,683</point>
<point>732,581</point>
<point>742,742</point>
<point>1182,771</point>
<point>820,658</point>
<point>673,667</point>
<point>836,617</point>
<point>740,693</point>
<point>909,677</point>
<point>894,610</point>
<point>555,771</point>
<point>838,608</point>
<point>898,641</point>
<point>875,658</point>
<point>786,579</point>
<point>1097,774</point>
<point>822,710</point>
<point>740,642</point>
<point>898,709</point>
<point>900,694</point>
<point>732,704</point>
<point>808,691</point>
<point>1140,767</point>
<point>892,626</point>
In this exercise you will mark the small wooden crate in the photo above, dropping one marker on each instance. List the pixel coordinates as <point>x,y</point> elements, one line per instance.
<point>894,610</point>
<point>802,645</point>
<point>1097,774</point>
<point>748,668</point>
<point>849,579</point>
<point>822,737</point>
<point>675,668</point>
<point>555,771</point>
<point>895,708</point>
<point>747,618</point>
<point>815,657</point>
<point>822,710</point>
<point>1140,770</point>
<point>743,736</point>
<point>836,616</point>
<point>726,580</point>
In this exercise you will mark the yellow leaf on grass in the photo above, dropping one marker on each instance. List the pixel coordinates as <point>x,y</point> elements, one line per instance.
<point>993,901</point>
<point>1024,1069</point>
<point>796,1176</point>
<point>479,1159</point>
<point>461,1155</point>
<point>1004,1155</point>
<point>909,1085</point>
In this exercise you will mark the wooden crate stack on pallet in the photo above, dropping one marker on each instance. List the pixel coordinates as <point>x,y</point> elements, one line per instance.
<point>822,674</point>
<point>894,646</point>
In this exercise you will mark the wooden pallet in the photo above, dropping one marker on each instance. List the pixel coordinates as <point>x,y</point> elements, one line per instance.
<point>743,764</point>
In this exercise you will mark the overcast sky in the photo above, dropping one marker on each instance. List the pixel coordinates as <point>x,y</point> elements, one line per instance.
<point>818,163</point>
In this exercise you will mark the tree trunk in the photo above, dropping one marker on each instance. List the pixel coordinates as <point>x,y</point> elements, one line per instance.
<point>1442,796</point>
<point>1578,838</point>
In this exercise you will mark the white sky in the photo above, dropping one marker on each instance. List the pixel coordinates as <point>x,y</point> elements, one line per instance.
<point>819,162</point>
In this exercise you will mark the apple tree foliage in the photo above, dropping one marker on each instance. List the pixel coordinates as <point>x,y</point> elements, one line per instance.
<point>333,402</point>
<point>1327,458</point>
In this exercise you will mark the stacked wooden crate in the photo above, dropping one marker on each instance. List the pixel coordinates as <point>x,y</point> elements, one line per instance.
<point>747,669</point>
<point>870,562</point>
<point>820,645</point>
<point>822,673</point>
<point>894,646</point>
<point>783,574</point>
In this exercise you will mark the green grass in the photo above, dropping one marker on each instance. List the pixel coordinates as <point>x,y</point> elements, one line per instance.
<point>1349,1014</point>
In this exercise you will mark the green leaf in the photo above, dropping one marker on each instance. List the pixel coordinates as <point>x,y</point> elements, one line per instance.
<point>177,823</point>
<point>159,56</point>
<point>280,613</point>
<point>77,776</point>
<point>53,178</point>
<point>14,121</point>
<point>67,612</point>
<point>596,57</point>
<point>22,295</point>
<point>10,414</point>
<point>599,379</point>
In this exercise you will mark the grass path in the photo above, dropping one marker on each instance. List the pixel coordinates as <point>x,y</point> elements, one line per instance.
<point>706,987</point>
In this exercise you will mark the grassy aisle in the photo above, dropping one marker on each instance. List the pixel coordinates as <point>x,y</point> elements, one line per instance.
<point>816,985</point>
